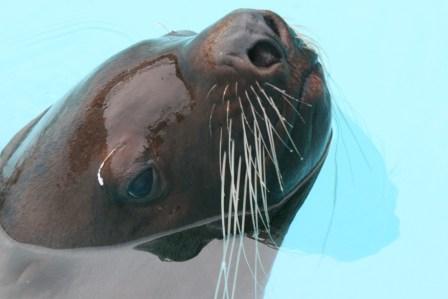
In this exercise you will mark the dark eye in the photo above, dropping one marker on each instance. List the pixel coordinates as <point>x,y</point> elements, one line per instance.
<point>142,185</point>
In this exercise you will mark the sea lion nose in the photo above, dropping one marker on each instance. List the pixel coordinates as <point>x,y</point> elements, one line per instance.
<point>252,39</point>
<point>266,51</point>
<point>263,54</point>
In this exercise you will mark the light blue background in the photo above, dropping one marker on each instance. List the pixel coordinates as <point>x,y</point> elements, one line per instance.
<point>375,224</point>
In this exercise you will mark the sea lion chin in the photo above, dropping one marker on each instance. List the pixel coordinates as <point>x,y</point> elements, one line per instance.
<point>172,139</point>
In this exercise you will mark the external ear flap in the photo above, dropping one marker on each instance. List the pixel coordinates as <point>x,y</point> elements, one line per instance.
<point>181,33</point>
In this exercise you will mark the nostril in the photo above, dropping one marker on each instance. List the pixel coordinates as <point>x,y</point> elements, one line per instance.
<point>264,54</point>
<point>271,24</point>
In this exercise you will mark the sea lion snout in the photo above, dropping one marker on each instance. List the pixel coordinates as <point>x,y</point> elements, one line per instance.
<point>256,41</point>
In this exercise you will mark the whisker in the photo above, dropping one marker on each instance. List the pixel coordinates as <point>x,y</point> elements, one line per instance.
<point>227,113</point>
<point>210,91</point>
<point>244,191</point>
<point>269,129</point>
<point>223,175</point>
<point>212,110</point>
<point>294,108</point>
<point>259,158</point>
<point>225,92</point>
<point>259,152</point>
<point>283,92</point>
<point>271,101</point>
<point>262,181</point>
<point>235,199</point>
<point>253,110</point>
<point>245,121</point>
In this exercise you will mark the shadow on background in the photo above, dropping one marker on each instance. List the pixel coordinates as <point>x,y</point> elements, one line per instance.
<point>349,213</point>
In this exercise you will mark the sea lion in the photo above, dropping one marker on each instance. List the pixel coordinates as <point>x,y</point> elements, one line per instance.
<point>184,138</point>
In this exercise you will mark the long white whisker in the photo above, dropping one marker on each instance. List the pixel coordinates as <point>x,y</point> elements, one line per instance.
<point>210,91</point>
<point>223,175</point>
<point>283,92</point>
<point>259,152</point>
<point>224,92</point>
<point>245,121</point>
<point>212,110</point>
<point>294,108</point>
<point>271,101</point>
<point>273,154</point>
<point>273,128</point>
<point>248,190</point>
<point>269,129</point>
<point>264,220</point>
<point>235,219</point>
<point>242,227</point>
<point>259,166</point>
<point>262,179</point>
<point>244,191</point>
<point>231,161</point>
<point>227,113</point>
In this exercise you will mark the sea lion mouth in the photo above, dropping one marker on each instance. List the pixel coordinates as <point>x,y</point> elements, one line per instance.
<point>313,85</point>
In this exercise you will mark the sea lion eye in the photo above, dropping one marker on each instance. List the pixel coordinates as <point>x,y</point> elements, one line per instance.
<point>142,184</point>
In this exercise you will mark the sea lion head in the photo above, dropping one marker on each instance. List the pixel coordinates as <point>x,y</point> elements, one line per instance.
<point>176,135</point>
